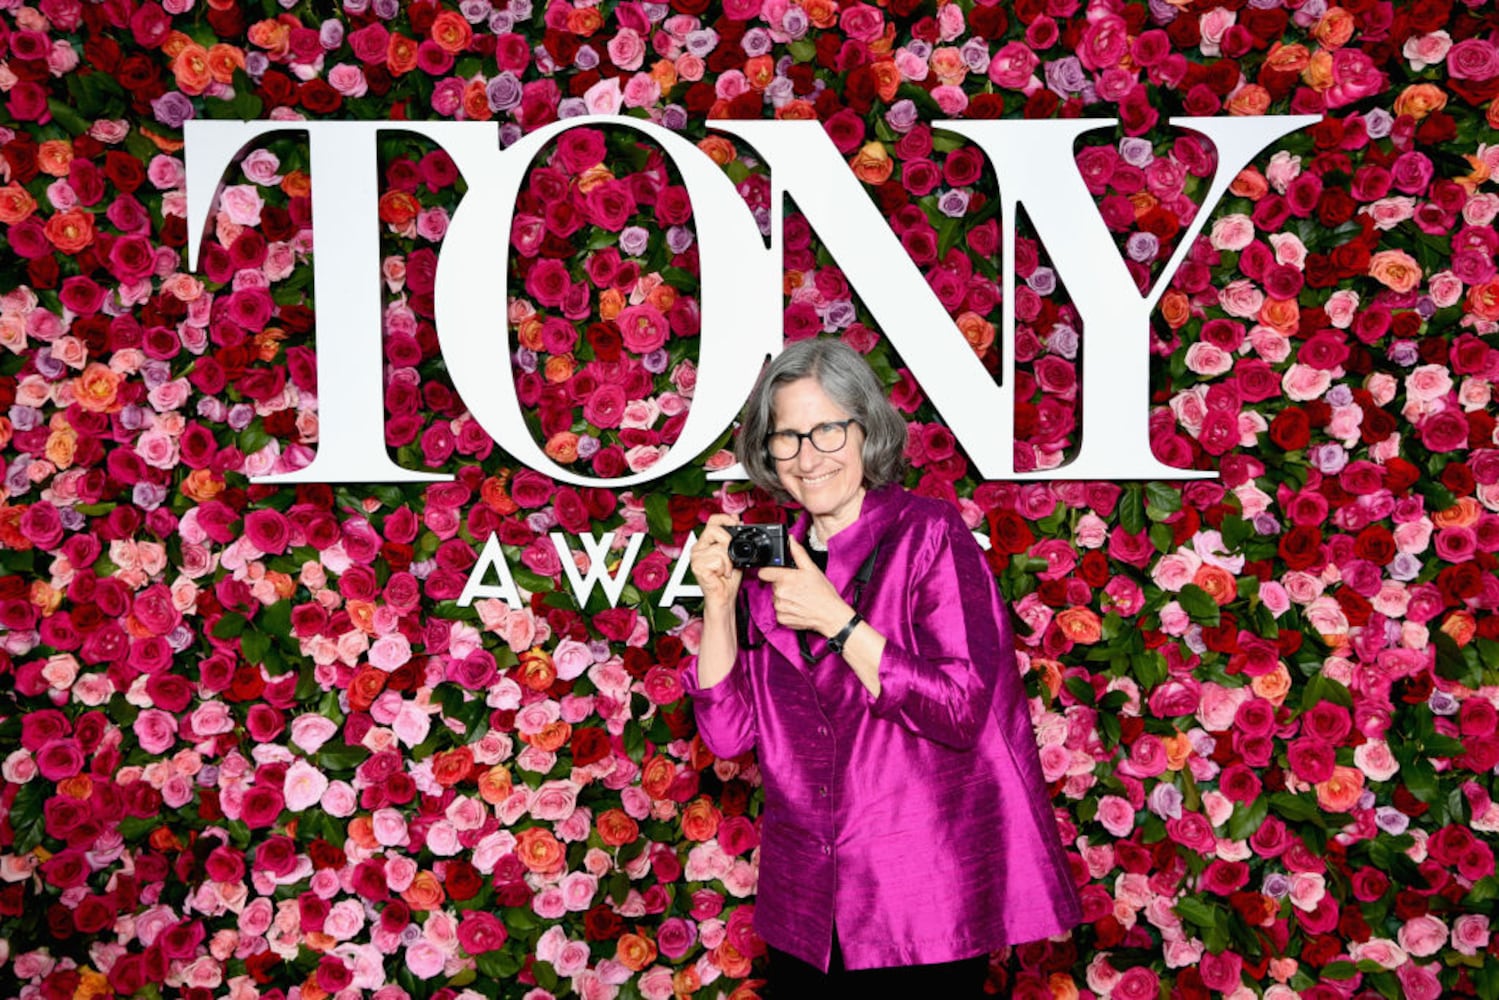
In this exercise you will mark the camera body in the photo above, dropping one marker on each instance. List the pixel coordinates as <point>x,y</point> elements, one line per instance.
<point>755,545</point>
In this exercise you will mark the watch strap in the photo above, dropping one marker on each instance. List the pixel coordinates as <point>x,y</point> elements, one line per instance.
<point>836,643</point>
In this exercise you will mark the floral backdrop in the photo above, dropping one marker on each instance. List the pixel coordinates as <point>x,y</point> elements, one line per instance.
<point>253,747</point>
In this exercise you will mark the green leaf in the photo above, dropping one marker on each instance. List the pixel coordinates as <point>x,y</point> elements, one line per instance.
<point>1297,808</point>
<point>1199,604</point>
<point>1132,510</point>
<point>1163,497</point>
<point>1199,912</point>
<point>229,626</point>
<point>658,516</point>
<point>67,117</point>
<point>1247,819</point>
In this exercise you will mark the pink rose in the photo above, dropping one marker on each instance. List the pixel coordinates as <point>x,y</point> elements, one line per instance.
<point>1423,936</point>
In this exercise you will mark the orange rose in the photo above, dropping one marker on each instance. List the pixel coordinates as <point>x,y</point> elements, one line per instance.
<point>1250,99</point>
<point>536,670</point>
<point>559,368</point>
<point>1142,202</point>
<point>635,952</point>
<point>617,828</point>
<point>593,177</point>
<point>16,204</point>
<point>1274,686</point>
<point>1080,624</point>
<point>664,72</point>
<point>452,766</point>
<point>361,615</point>
<point>552,736</point>
<point>70,231</point>
<point>1218,582</point>
<point>1288,58</point>
<point>562,447</point>
<point>539,851</point>
<point>611,303</point>
<point>400,54</point>
<point>657,775</point>
<point>1420,99</point>
<point>1396,270</point>
<point>476,102</point>
<point>451,32</point>
<point>97,389</point>
<point>686,982</point>
<point>759,71</point>
<point>495,784</point>
<point>1062,986</point>
<point>93,985</point>
<point>1341,792</point>
<point>1462,514</point>
<point>223,60</point>
<point>1318,71</point>
<point>54,156</point>
<point>60,448</point>
<point>191,69</point>
<point>1250,183</point>
<point>397,208</point>
<point>492,491</point>
<point>796,111</point>
<point>365,687</point>
<point>1178,748</point>
<point>1461,626</point>
<point>700,820</point>
<point>1175,309</point>
<point>1281,315</point>
<point>822,13</point>
<point>1334,28</point>
<point>202,485</point>
<point>362,832</point>
<point>872,164</point>
<point>272,35</point>
<point>886,75</point>
<point>720,150</point>
<point>10,528</point>
<point>978,331</point>
<point>731,960</point>
<point>296,183</point>
<point>584,21</point>
<point>1483,300</point>
<point>424,892</point>
<point>663,297</point>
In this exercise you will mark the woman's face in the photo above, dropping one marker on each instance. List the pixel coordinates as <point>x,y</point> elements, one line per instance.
<point>829,485</point>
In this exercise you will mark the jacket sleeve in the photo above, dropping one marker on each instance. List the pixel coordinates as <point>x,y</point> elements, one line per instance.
<point>726,711</point>
<point>941,684</point>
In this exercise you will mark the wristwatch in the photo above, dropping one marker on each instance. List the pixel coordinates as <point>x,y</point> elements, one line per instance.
<point>836,642</point>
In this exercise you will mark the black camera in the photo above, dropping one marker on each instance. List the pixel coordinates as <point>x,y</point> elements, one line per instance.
<point>758,545</point>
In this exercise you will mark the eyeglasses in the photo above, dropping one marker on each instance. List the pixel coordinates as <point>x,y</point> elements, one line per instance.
<point>828,437</point>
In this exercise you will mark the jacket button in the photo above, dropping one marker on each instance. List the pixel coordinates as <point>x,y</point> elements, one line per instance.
<point>827,848</point>
<point>823,791</point>
<point>822,730</point>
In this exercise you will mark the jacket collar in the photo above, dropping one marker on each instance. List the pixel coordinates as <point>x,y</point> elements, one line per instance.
<point>847,551</point>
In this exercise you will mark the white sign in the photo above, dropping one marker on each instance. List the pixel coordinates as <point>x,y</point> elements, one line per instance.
<point>741,283</point>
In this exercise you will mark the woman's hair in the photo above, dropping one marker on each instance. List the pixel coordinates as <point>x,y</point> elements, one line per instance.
<point>851,384</point>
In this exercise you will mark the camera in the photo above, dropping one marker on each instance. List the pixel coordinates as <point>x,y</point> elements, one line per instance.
<point>758,545</point>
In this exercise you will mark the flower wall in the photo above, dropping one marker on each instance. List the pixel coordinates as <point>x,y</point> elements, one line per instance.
<point>252,746</point>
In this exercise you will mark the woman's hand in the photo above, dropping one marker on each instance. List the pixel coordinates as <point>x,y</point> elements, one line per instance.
<point>716,573</point>
<point>804,598</point>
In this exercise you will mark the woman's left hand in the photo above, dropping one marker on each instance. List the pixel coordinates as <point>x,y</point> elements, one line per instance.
<point>804,597</point>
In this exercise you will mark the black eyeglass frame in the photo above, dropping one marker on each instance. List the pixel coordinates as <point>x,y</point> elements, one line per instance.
<point>806,437</point>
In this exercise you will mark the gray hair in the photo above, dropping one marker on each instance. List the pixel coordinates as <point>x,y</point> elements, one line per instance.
<point>850,383</point>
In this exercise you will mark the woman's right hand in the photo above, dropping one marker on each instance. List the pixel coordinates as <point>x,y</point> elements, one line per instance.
<point>716,573</point>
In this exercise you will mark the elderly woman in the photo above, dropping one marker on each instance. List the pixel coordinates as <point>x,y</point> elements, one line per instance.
<point>906,820</point>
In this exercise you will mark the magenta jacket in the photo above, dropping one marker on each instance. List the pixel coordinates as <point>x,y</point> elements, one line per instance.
<point>918,820</point>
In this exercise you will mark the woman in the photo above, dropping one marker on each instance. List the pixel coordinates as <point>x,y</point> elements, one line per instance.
<point>906,821</point>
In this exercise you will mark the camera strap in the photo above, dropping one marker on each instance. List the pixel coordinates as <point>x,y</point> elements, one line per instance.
<point>861,580</point>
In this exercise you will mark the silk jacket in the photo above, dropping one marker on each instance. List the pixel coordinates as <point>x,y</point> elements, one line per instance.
<point>917,822</point>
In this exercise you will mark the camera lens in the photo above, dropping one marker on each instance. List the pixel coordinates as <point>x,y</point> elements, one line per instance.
<point>744,547</point>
